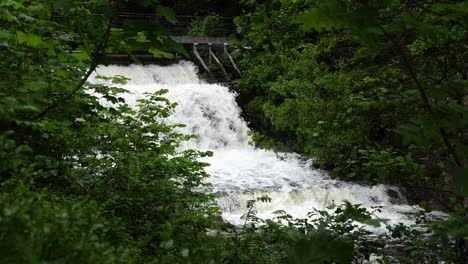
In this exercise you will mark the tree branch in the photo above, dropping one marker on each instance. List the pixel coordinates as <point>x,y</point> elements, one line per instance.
<point>424,96</point>
<point>93,65</point>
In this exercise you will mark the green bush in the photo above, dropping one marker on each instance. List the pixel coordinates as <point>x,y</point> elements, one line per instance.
<point>40,227</point>
<point>81,182</point>
<point>208,26</point>
<point>346,97</point>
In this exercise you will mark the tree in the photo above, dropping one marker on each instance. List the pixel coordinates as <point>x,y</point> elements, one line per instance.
<point>375,90</point>
<point>84,183</point>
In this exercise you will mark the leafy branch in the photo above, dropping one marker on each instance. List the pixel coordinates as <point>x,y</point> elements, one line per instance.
<point>94,62</point>
<point>427,104</point>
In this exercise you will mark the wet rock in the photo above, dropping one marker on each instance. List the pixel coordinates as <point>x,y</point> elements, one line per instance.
<point>294,184</point>
<point>394,196</point>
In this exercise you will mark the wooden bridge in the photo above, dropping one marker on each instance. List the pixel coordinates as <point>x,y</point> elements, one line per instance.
<point>210,47</point>
<point>205,50</point>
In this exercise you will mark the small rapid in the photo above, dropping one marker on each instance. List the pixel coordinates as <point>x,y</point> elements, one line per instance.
<point>240,172</point>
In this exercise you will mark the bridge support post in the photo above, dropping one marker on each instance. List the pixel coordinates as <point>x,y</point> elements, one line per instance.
<point>209,53</point>
<point>217,61</point>
<point>195,51</point>
<point>231,59</point>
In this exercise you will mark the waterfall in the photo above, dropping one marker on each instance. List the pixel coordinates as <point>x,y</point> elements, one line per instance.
<point>239,172</point>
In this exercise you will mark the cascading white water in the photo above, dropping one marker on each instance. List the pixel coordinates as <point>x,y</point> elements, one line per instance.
<point>239,171</point>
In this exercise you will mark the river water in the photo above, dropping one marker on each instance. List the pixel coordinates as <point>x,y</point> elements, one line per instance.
<point>240,172</point>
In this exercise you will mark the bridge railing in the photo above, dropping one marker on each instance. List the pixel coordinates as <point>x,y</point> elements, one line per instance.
<point>181,28</point>
<point>178,33</point>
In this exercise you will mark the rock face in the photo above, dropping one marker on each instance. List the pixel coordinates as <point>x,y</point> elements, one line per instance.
<point>395,196</point>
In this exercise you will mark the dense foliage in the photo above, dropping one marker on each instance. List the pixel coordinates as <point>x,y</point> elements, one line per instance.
<point>208,26</point>
<point>83,182</point>
<point>374,90</point>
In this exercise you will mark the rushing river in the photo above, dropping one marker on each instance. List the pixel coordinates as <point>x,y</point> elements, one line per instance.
<point>239,171</point>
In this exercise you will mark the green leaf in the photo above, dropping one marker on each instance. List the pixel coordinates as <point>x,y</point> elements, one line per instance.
<point>21,36</point>
<point>167,13</point>
<point>141,37</point>
<point>170,44</point>
<point>236,53</point>
<point>81,55</point>
<point>160,54</point>
<point>5,34</point>
<point>29,38</point>
<point>238,20</point>
<point>50,51</point>
<point>185,252</point>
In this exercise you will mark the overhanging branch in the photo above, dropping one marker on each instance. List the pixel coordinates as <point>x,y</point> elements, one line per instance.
<point>94,62</point>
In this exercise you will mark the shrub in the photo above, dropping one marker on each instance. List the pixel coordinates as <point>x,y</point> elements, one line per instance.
<point>208,26</point>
